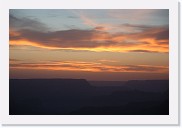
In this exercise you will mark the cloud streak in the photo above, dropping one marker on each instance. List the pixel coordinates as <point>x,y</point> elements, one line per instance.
<point>25,23</point>
<point>88,67</point>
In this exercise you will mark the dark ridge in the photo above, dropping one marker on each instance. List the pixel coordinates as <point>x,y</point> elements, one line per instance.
<point>79,97</point>
<point>52,82</point>
<point>134,108</point>
<point>107,83</point>
<point>148,85</point>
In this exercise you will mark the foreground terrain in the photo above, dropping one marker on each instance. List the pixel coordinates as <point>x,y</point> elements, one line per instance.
<point>80,97</point>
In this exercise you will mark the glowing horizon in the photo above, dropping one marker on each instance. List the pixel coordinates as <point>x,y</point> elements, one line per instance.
<point>98,43</point>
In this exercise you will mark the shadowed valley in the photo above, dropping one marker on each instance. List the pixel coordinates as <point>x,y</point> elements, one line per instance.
<point>81,97</point>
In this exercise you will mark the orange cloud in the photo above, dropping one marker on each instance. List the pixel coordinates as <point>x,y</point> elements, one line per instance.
<point>151,39</point>
<point>110,61</point>
<point>88,67</point>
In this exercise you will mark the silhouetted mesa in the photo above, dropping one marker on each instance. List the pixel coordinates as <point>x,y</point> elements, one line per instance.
<point>149,85</point>
<point>79,97</point>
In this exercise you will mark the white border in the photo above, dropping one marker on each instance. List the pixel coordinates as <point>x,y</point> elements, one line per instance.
<point>171,119</point>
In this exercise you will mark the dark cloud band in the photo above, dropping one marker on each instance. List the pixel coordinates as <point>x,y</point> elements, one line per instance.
<point>148,38</point>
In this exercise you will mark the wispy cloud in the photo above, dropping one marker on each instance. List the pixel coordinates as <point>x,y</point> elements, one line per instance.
<point>88,67</point>
<point>135,15</point>
<point>13,61</point>
<point>25,23</point>
<point>110,61</point>
<point>95,25</point>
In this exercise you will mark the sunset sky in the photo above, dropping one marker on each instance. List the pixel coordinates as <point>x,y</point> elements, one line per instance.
<point>95,44</point>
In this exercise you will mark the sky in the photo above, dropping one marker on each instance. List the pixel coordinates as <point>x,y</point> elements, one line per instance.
<point>92,44</point>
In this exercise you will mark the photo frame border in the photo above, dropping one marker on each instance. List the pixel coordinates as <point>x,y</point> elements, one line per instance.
<point>171,119</point>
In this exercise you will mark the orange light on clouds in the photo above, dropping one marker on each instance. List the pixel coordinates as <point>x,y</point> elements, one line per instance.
<point>152,39</point>
<point>92,42</point>
<point>118,48</point>
<point>88,67</point>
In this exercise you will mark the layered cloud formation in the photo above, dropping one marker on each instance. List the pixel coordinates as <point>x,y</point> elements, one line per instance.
<point>86,66</point>
<point>94,44</point>
<point>137,38</point>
